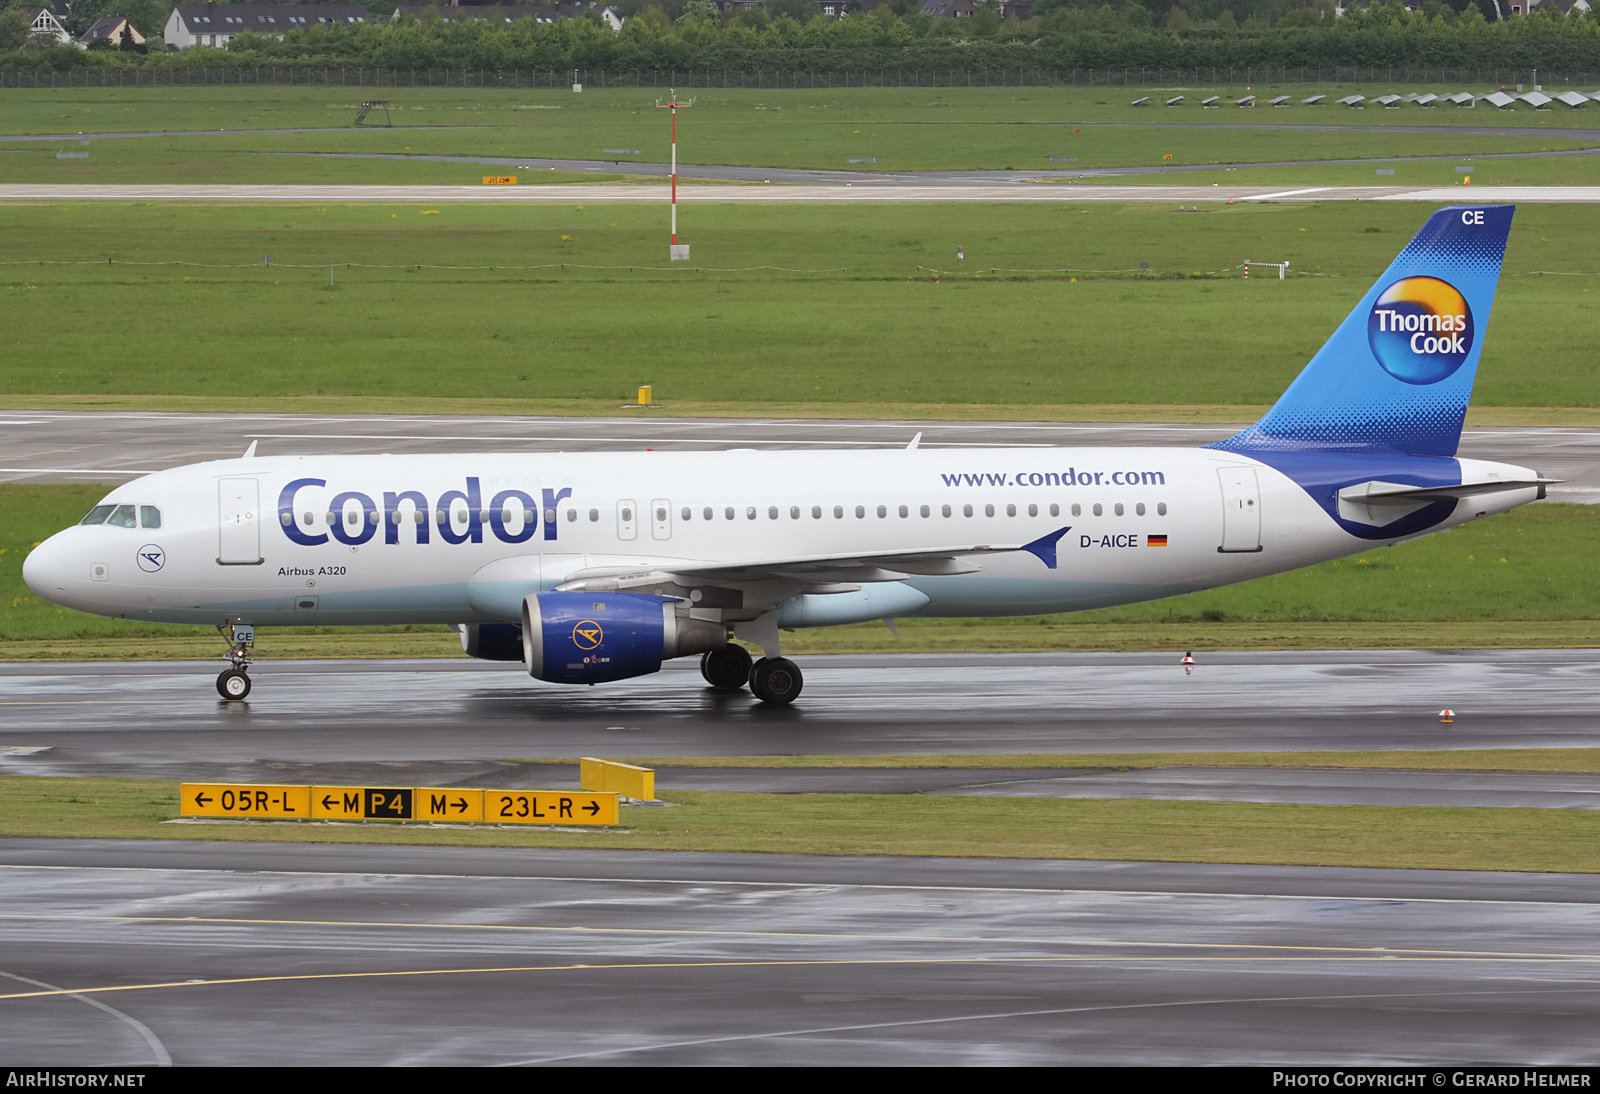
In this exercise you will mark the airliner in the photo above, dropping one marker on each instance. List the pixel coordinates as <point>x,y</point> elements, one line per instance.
<point>595,567</point>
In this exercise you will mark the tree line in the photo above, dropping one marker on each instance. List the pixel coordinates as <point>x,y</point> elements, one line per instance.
<point>1065,35</point>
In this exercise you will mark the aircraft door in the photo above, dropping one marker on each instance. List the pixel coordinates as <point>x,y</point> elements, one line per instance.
<point>1241,510</point>
<point>239,522</point>
<point>627,520</point>
<point>661,518</point>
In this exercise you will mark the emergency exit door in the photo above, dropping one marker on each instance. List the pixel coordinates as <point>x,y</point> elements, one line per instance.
<point>1241,509</point>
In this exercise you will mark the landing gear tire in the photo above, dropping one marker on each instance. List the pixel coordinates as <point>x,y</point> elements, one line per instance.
<point>233,685</point>
<point>726,668</point>
<point>776,680</point>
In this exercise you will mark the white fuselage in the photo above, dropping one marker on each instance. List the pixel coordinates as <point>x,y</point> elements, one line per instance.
<point>448,539</point>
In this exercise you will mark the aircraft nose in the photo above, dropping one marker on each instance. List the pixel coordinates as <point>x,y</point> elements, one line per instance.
<point>45,568</point>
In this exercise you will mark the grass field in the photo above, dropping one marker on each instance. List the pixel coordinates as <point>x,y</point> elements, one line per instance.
<point>1519,579</point>
<point>253,332</point>
<point>1555,760</point>
<point>906,824</point>
<point>903,128</point>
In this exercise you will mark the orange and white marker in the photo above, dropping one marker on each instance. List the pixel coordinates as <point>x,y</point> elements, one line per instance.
<point>1188,658</point>
<point>1447,715</point>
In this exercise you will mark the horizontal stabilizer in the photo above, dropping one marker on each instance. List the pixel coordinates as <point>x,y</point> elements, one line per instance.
<point>1399,492</point>
<point>1380,504</point>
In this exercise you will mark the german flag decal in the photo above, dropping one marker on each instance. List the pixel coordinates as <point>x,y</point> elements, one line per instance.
<point>1155,541</point>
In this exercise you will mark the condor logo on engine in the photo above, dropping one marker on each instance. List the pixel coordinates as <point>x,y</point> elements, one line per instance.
<point>1420,330</point>
<point>588,635</point>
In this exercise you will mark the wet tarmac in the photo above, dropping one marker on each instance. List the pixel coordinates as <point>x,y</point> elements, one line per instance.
<point>139,953</point>
<point>448,722</point>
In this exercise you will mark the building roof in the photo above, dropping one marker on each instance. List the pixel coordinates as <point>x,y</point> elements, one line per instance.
<point>510,13</point>
<point>106,26</point>
<point>267,18</point>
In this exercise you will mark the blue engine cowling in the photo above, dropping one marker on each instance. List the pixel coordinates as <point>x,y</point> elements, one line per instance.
<point>590,638</point>
<point>491,641</point>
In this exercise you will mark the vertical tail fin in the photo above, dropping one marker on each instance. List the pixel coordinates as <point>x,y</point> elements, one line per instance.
<point>1398,372</point>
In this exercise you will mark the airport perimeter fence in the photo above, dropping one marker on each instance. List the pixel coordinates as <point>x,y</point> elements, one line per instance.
<point>776,80</point>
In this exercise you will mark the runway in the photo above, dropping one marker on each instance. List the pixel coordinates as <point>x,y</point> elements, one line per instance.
<point>138,954</point>
<point>559,193</point>
<point>948,178</point>
<point>448,722</point>
<point>112,447</point>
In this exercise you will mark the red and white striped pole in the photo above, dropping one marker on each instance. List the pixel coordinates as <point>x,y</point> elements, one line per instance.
<point>672,104</point>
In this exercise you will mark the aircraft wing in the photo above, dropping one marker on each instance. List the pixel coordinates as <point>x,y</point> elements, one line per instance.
<point>856,566</point>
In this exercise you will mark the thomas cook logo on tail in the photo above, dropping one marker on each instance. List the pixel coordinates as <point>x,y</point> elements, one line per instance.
<point>1420,330</point>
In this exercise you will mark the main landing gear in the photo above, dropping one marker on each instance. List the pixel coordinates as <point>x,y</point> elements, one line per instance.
<point>234,683</point>
<point>773,680</point>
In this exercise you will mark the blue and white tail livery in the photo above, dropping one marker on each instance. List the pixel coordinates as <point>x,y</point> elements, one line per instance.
<point>1397,374</point>
<point>597,567</point>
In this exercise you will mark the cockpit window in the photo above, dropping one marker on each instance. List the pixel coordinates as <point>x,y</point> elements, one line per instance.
<point>123,517</point>
<point>149,516</point>
<point>98,514</point>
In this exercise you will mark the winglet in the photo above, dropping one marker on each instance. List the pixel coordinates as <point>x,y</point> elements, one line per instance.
<point>249,452</point>
<point>1045,546</point>
<point>915,441</point>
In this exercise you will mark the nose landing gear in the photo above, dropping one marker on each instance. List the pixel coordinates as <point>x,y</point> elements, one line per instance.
<point>234,683</point>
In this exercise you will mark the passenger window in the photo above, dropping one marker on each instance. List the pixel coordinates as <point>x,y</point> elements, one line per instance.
<point>123,517</point>
<point>838,512</point>
<point>98,514</point>
<point>1161,508</point>
<point>966,510</point>
<point>1055,510</point>
<point>750,512</point>
<point>1011,510</point>
<point>150,516</point>
<point>572,515</point>
<point>1139,509</point>
<point>1077,510</point>
<point>728,513</point>
<point>594,514</point>
<point>882,512</point>
<point>945,510</point>
<point>904,512</point>
<point>988,510</point>
<point>816,512</point>
<point>1117,509</point>
<point>627,514</point>
<point>709,512</point>
<point>794,512</point>
<point>687,512</point>
<point>772,512</point>
<point>861,511</point>
<point>1033,510</point>
<point>1097,509</point>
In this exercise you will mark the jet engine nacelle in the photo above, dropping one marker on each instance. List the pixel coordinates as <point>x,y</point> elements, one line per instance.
<point>491,641</point>
<point>589,638</point>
